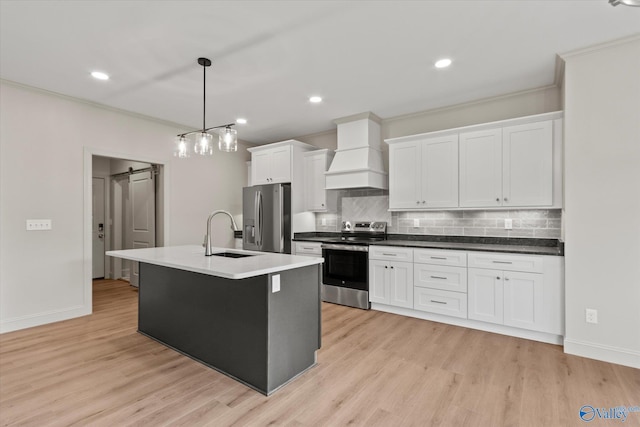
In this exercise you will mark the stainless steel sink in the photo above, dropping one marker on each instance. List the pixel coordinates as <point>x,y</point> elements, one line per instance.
<point>232,255</point>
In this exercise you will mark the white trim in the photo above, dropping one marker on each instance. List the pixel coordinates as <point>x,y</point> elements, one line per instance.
<point>554,115</point>
<point>467,104</point>
<point>605,353</point>
<point>89,152</point>
<point>288,142</point>
<point>38,319</point>
<point>95,104</point>
<point>472,324</point>
<point>600,46</point>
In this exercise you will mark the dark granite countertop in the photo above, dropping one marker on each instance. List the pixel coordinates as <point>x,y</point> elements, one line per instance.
<point>483,244</point>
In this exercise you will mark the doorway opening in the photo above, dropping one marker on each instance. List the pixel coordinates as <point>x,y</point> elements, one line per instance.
<point>127,213</point>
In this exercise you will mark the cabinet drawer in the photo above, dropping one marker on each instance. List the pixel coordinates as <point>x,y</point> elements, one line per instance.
<point>440,277</point>
<point>308,248</point>
<point>435,256</point>
<point>507,262</point>
<point>441,302</point>
<point>389,253</point>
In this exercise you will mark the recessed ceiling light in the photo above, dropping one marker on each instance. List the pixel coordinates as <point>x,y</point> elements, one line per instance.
<point>241,121</point>
<point>443,63</point>
<point>100,75</point>
<point>315,99</point>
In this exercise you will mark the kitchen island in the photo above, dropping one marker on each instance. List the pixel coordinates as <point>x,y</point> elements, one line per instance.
<point>254,316</point>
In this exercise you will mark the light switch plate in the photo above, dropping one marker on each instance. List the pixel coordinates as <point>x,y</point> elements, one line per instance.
<point>416,222</point>
<point>275,283</point>
<point>38,224</point>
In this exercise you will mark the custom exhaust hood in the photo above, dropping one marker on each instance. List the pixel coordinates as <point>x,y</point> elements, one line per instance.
<point>358,159</point>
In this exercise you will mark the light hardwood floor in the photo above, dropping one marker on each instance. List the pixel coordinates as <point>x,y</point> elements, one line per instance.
<point>374,369</point>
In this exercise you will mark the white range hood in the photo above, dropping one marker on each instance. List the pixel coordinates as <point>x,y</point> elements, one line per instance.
<point>358,160</point>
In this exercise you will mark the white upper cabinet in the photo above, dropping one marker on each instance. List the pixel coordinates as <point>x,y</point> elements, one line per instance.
<point>423,174</point>
<point>404,175</point>
<point>527,165</point>
<point>513,163</point>
<point>316,163</point>
<point>510,166</point>
<point>271,165</point>
<point>481,168</point>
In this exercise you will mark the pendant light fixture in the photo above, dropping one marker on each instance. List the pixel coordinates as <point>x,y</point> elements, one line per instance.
<point>227,138</point>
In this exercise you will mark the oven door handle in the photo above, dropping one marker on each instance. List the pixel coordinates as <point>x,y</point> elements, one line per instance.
<point>353,248</point>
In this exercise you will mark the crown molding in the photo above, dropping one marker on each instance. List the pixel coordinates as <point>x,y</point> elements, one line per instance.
<point>600,46</point>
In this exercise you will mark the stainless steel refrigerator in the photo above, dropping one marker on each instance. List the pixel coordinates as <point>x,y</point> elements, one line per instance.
<point>266,217</point>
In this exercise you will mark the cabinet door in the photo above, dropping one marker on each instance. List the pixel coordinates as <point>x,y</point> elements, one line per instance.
<point>280,170</point>
<point>481,168</point>
<point>401,284</point>
<point>523,301</point>
<point>379,282</point>
<point>485,291</point>
<point>440,172</point>
<point>315,194</point>
<point>260,167</point>
<point>404,176</point>
<point>528,165</point>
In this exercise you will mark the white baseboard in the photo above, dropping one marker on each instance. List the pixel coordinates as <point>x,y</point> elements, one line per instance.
<point>23,322</point>
<point>605,353</point>
<point>472,324</point>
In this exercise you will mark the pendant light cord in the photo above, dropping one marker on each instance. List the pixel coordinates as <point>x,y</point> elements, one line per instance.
<point>204,96</point>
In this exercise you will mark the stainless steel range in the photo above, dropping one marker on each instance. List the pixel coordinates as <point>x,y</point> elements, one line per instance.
<point>345,272</point>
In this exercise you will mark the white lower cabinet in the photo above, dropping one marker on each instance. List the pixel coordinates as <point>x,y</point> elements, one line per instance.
<point>391,283</point>
<point>486,295</point>
<point>515,290</point>
<point>523,301</point>
<point>531,300</point>
<point>307,248</point>
<point>441,302</point>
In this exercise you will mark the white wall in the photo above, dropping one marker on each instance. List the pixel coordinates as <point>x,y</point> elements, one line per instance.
<point>602,202</point>
<point>44,143</point>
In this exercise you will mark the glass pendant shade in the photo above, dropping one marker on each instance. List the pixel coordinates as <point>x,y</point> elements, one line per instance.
<point>182,148</point>
<point>204,144</point>
<point>228,140</point>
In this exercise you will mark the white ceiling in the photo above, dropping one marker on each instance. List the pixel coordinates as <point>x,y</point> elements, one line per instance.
<point>270,56</point>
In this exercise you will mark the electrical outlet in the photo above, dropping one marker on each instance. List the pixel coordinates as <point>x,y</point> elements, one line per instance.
<point>275,283</point>
<point>38,224</point>
<point>508,224</point>
<point>591,315</point>
<point>416,222</point>
<point>323,221</point>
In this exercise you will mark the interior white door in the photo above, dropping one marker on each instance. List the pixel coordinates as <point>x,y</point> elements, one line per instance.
<point>143,215</point>
<point>98,227</point>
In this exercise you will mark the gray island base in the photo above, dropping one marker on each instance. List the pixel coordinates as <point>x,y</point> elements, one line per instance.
<point>244,328</point>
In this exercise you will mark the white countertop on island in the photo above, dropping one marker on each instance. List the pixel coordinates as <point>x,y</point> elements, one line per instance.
<point>192,258</point>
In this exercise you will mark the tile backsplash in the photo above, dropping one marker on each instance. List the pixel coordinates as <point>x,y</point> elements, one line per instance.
<point>363,204</point>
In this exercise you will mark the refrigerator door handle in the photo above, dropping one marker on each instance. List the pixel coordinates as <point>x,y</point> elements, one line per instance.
<point>259,219</point>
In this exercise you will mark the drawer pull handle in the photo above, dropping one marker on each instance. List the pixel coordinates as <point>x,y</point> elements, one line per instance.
<point>502,262</point>
<point>306,247</point>
<point>438,302</point>
<point>438,277</point>
<point>389,254</point>
<point>438,257</point>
